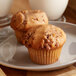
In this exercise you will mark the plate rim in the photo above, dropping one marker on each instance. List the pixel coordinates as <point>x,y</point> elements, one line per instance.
<point>44,68</point>
<point>63,22</point>
<point>37,69</point>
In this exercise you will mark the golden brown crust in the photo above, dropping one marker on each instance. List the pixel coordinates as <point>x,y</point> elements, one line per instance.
<point>44,37</point>
<point>26,19</point>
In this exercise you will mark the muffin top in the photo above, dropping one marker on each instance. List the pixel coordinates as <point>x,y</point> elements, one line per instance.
<point>26,19</point>
<point>44,37</point>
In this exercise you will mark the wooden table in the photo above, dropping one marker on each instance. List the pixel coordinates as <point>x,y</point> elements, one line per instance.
<point>70,14</point>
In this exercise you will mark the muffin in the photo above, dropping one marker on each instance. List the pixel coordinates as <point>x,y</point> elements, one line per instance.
<point>44,43</point>
<point>26,19</point>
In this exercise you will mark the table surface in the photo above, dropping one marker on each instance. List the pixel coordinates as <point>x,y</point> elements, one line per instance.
<point>70,15</point>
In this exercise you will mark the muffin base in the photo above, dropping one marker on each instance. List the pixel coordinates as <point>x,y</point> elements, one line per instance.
<point>19,36</point>
<point>44,56</point>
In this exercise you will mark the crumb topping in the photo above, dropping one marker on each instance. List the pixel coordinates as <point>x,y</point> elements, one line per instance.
<point>44,37</point>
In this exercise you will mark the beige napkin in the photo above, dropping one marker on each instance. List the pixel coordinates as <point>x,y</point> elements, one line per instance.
<point>2,73</point>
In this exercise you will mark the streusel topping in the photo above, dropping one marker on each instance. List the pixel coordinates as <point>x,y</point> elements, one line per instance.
<point>44,37</point>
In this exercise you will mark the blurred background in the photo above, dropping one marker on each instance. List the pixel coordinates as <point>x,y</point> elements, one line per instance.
<point>72,4</point>
<point>24,4</point>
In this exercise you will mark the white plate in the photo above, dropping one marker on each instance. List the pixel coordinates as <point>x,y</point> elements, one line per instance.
<point>68,55</point>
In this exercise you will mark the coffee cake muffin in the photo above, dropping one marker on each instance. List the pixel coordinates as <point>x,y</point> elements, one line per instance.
<point>44,43</point>
<point>26,19</point>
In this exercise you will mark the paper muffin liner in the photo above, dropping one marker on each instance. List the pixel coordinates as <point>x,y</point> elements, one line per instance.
<point>44,56</point>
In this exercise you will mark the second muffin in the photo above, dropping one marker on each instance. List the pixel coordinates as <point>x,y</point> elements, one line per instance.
<point>26,19</point>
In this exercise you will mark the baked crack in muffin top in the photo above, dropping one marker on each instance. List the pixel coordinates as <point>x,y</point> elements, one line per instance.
<point>44,37</point>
